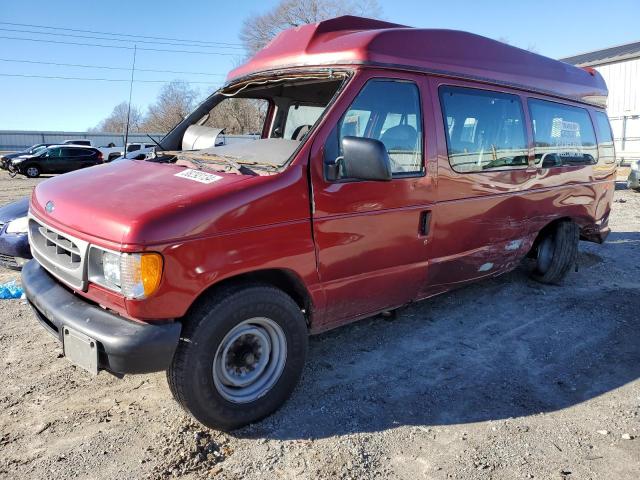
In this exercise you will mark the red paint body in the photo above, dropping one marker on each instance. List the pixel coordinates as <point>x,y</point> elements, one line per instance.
<point>360,251</point>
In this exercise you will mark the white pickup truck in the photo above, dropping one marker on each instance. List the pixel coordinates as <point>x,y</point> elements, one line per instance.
<point>109,152</point>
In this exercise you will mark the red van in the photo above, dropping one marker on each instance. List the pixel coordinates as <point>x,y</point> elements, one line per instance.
<point>394,164</point>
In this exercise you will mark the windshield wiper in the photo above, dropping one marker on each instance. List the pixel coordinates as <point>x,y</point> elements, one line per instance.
<point>200,161</point>
<point>157,143</point>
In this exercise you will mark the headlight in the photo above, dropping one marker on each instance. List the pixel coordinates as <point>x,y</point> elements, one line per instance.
<point>135,275</point>
<point>17,160</point>
<point>19,225</point>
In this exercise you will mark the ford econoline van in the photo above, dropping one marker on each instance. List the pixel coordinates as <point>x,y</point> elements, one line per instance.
<point>394,164</point>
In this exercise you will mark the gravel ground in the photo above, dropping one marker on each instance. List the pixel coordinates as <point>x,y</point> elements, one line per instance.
<point>505,379</point>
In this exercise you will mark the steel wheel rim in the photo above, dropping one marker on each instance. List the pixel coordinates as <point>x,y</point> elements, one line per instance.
<point>249,360</point>
<point>32,172</point>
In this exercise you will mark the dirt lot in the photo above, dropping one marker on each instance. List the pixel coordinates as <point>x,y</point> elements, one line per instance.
<point>505,379</point>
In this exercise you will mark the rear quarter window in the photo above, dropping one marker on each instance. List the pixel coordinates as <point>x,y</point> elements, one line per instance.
<point>485,130</point>
<point>606,149</point>
<point>563,135</point>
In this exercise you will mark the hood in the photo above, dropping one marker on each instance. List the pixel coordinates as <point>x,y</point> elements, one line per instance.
<point>9,156</point>
<point>25,156</point>
<point>134,202</point>
<point>14,210</point>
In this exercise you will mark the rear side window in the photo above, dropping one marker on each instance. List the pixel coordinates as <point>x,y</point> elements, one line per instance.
<point>485,130</point>
<point>389,111</point>
<point>72,152</point>
<point>563,134</point>
<point>606,149</point>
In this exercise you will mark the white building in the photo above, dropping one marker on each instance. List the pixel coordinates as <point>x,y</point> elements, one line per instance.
<point>620,67</point>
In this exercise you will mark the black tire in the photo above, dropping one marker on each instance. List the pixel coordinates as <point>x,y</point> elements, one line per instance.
<point>31,171</point>
<point>557,251</point>
<point>190,375</point>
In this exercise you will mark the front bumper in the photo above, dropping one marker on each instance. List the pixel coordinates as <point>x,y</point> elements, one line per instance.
<point>124,346</point>
<point>14,250</point>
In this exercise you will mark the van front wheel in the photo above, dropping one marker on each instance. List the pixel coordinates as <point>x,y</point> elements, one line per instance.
<point>556,252</point>
<point>240,356</point>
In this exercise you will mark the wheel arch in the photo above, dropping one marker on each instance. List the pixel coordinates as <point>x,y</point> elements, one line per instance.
<point>283,279</point>
<point>550,226</point>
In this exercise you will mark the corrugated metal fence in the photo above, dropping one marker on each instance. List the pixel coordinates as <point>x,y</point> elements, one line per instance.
<point>21,139</point>
<point>14,140</point>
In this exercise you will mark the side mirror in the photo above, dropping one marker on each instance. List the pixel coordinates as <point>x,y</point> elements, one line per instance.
<point>365,159</point>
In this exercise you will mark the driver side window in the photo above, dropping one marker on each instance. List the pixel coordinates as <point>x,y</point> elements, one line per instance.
<point>389,111</point>
<point>54,153</point>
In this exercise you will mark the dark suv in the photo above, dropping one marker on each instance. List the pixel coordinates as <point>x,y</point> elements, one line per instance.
<point>57,159</point>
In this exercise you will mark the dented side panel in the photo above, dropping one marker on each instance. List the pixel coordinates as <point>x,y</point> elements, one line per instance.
<point>486,222</point>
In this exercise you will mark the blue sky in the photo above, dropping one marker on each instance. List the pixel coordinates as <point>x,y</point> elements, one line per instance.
<point>555,28</point>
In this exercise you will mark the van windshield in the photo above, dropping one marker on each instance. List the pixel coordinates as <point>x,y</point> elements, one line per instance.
<point>259,123</point>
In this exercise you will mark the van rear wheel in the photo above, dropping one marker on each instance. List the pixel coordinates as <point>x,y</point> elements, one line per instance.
<point>240,356</point>
<point>556,252</point>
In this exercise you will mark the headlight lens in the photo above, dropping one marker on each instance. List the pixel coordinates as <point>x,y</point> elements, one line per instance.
<point>17,160</point>
<point>19,225</point>
<point>111,268</point>
<point>135,275</point>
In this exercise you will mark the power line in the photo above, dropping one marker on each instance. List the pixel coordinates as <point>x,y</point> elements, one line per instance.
<point>117,39</point>
<point>116,46</point>
<point>119,34</point>
<point>105,67</point>
<point>21,75</point>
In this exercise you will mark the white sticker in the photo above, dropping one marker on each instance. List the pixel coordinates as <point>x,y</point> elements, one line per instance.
<point>198,176</point>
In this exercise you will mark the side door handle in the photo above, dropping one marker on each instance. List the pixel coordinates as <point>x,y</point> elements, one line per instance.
<point>425,223</point>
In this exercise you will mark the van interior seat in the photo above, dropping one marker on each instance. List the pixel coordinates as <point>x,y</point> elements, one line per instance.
<point>400,137</point>
<point>300,132</point>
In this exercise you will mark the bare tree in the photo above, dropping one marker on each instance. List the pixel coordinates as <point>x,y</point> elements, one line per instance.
<point>258,30</point>
<point>175,101</point>
<point>239,115</point>
<point>117,121</point>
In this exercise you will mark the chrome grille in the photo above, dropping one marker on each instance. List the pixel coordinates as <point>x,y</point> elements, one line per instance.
<point>60,253</point>
<point>60,247</point>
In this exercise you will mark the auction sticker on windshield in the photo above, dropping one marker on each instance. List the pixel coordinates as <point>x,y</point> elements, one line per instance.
<point>198,176</point>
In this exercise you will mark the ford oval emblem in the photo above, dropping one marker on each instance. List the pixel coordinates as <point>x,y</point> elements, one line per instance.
<point>50,206</point>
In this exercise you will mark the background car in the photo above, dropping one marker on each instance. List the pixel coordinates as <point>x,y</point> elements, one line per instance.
<point>633,181</point>
<point>56,159</point>
<point>38,147</point>
<point>14,241</point>
<point>132,147</point>
<point>139,154</point>
<point>109,152</point>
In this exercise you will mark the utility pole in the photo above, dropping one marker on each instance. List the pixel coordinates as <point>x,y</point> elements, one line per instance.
<point>133,69</point>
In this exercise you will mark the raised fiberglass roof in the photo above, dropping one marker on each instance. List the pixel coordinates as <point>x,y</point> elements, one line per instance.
<point>348,40</point>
